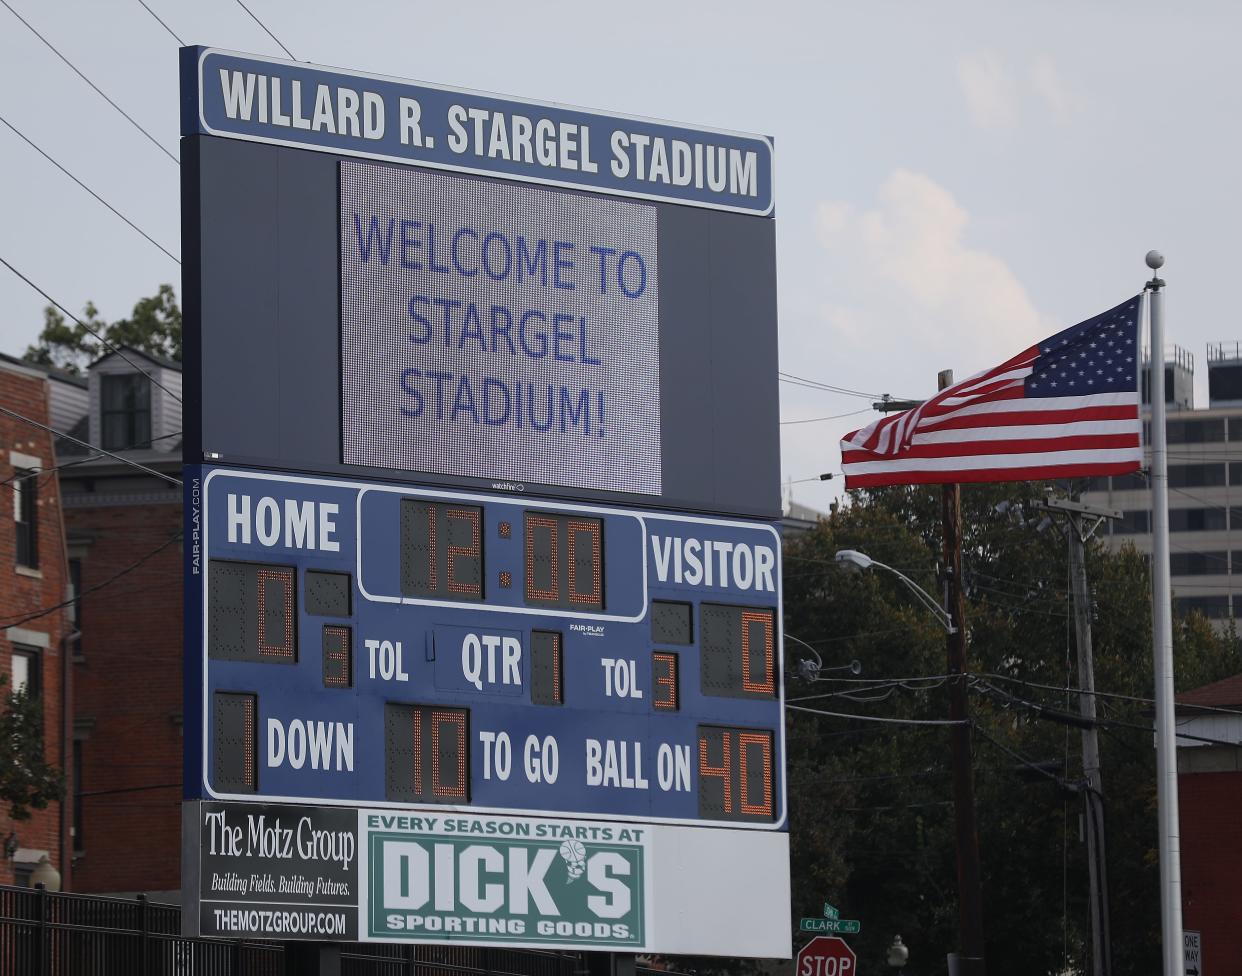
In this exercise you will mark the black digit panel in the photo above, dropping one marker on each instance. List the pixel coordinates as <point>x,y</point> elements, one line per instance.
<point>252,612</point>
<point>441,550</point>
<point>234,732</point>
<point>564,561</point>
<point>328,594</point>
<point>427,753</point>
<point>547,677</point>
<point>737,648</point>
<point>735,774</point>
<point>670,623</point>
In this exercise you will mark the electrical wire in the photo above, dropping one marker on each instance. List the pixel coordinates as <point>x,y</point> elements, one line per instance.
<point>114,348</point>
<point>99,91</point>
<point>265,28</point>
<point>159,20</point>
<point>68,437</point>
<point>43,612</point>
<point>816,420</point>
<point>118,213</point>
<point>878,718</point>
<point>42,472</point>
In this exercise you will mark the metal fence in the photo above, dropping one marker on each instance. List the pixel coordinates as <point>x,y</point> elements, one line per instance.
<point>59,934</point>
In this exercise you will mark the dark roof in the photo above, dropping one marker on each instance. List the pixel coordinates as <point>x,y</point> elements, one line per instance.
<point>1227,691</point>
<point>131,352</point>
<point>50,371</point>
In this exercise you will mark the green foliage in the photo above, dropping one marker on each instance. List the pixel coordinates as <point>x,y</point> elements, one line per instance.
<point>153,327</point>
<point>871,812</point>
<point>27,780</point>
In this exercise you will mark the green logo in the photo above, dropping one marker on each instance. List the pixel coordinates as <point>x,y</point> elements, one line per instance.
<point>547,882</point>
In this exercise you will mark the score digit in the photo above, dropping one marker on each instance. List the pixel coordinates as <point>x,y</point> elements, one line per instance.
<point>427,755</point>
<point>738,645</point>
<point>441,550</point>
<point>252,612</point>
<point>735,774</point>
<point>564,561</point>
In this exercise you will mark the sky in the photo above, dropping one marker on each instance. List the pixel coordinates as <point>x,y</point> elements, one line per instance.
<point>954,181</point>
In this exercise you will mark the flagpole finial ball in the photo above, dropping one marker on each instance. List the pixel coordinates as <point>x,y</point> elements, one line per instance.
<point>1155,260</point>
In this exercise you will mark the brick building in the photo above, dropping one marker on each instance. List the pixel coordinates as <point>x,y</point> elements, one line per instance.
<point>36,632</point>
<point>1210,795</point>
<point>123,529</point>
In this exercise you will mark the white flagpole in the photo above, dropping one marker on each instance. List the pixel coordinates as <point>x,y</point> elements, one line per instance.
<point>1162,645</point>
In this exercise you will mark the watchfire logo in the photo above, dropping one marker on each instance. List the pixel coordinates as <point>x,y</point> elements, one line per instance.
<point>532,890</point>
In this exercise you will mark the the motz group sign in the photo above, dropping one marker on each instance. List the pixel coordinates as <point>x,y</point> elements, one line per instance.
<point>483,596</point>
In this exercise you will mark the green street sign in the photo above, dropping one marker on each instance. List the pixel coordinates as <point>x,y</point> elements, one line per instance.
<point>830,912</point>
<point>836,926</point>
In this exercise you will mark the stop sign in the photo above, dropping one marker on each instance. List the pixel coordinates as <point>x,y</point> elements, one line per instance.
<point>826,955</point>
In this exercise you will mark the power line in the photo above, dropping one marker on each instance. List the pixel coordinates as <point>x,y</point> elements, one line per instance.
<point>829,387</point>
<point>97,89</point>
<point>116,349</point>
<point>118,213</point>
<point>68,437</point>
<point>877,718</point>
<point>1100,694</point>
<point>816,420</point>
<point>18,621</point>
<point>261,24</point>
<point>83,460</point>
<point>159,20</point>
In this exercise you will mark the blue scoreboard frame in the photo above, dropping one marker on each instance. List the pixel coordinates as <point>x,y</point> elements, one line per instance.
<point>369,644</point>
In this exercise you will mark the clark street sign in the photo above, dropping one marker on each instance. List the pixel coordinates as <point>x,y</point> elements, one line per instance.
<point>837,926</point>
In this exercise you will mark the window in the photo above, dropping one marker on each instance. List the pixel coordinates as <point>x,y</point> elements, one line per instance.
<point>1132,523</point>
<point>1134,481</point>
<point>1196,475</point>
<point>1212,607</point>
<point>1195,431</point>
<point>1198,563</point>
<point>27,671</point>
<point>25,513</point>
<point>1196,519</point>
<point>125,411</point>
<point>75,608</point>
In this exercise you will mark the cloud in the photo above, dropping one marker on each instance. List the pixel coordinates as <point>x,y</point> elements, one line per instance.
<point>991,94</point>
<point>915,283</point>
<point>1048,84</point>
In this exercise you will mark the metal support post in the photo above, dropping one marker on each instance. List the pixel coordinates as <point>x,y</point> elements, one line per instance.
<point>969,875</point>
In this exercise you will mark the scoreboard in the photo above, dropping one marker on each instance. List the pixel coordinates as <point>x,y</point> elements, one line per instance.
<point>483,595</point>
<point>381,645</point>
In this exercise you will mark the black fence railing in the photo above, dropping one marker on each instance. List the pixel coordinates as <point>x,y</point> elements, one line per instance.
<point>59,934</point>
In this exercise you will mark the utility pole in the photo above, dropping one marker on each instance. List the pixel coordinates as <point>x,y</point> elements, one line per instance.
<point>1083,521</point>
<point>969,875</point>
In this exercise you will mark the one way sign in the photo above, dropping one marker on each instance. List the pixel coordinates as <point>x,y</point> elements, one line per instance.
<point>1193,953</point>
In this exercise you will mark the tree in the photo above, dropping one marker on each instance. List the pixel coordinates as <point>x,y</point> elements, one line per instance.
<point>153,327</point>
<point>27,780</point>
<point>871,816</point>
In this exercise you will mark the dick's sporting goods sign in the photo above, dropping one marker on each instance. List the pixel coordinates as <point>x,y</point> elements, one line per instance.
<point>503,880</point>
<point>299,872</point>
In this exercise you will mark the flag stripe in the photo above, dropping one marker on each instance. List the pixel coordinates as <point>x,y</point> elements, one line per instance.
<point>965,463</point>
<point>1049,472</point>
<point>962,435</point>
<point>1031,415</point>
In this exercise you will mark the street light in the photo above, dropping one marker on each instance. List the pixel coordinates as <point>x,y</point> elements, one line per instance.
<point>853,561</point>
<point>898,953</point>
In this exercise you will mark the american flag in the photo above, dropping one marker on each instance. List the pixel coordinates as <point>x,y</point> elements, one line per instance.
<point>1066,408</point>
